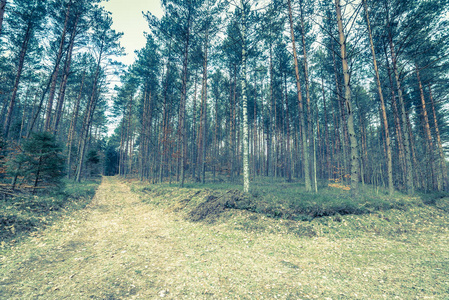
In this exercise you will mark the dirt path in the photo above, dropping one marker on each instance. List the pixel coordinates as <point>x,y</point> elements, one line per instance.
<point>121,248</point>
<point>106,251</point>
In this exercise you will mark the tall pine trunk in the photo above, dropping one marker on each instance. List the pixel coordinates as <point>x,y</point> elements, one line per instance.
<point>245,107</point>
<point>182,105</point>
<point>308,116</point>
<point>304,147</point>
<point>348,104</point>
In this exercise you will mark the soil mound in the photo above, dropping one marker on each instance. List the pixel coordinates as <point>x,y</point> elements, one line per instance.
<point>215,204</point>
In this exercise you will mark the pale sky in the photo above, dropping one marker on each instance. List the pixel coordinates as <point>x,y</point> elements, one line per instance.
<point>127,17</point>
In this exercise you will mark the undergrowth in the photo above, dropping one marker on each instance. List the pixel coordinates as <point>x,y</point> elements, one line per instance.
<point>26,213</point>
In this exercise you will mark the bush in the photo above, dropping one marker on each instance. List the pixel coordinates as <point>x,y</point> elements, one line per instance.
<point>39,161</point>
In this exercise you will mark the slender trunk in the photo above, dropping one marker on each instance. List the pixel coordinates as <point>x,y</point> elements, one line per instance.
<point>398,129</point>
<point>36,181</point>
<point>272,129</point>
<point>2,12</point>
<point>54,78</point>
<point>348,105</point>
<point>307,85</point>
<point>382,105</point>
<point>443,170</point>
<point>304,148</point>
<point>12,101</point>
<point>164,145</point>
<point>200,138</point>
<point>129,136</point>
<point>88,117</point>
<point>232,133</point>
<point>65,77</point>
<point>326,132</point>
<point>407,148</point>
<point>425,119</point>
<point>182,132</point>
<point>342,133</point>
<point>194,131</point>
<point>143,135</point>
<point>255,128</point>
<point>287,119</point>
<point>204,93</point>
<point>84,138</point>
<point>72,128</point>
<point>216,147</point>
<point>24,113</point>
<point>245,108</point>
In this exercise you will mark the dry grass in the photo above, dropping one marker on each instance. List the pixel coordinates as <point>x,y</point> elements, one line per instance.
<point>122,248</point>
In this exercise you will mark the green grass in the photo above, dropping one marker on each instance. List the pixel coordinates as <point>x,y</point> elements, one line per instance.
<point>26,213</point>
<point>277,198</point>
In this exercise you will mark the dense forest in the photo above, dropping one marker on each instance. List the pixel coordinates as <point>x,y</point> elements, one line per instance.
<point>320,92</point>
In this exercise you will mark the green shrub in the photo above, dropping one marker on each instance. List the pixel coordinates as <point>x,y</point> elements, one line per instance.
<point>39,161</point>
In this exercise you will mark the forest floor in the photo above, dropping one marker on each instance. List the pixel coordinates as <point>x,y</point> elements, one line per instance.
<point>124,246</point>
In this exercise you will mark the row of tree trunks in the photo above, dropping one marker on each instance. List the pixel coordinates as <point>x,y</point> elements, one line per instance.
<point>63,86</point>
<point>54,78</point>
<point>23,50</point>
<point>382,105</point>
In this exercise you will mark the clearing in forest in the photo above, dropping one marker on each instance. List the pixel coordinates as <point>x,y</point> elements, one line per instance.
<point>123,246</point>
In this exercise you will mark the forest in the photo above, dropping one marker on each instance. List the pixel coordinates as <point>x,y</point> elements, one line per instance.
<point>324,93</point>
<point>254,149</point>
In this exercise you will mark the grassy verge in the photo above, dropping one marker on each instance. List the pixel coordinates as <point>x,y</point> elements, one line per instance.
<point>24,214</point>
<point>279,199</point>
<point>323,246</point>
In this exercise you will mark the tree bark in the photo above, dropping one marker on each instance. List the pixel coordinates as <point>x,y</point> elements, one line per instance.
<point>304,148</point>
<point>307,85</point>
<point>245,107</point>
<point>204,121</point>
<point>182,105</point>
<point>348,104</point>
